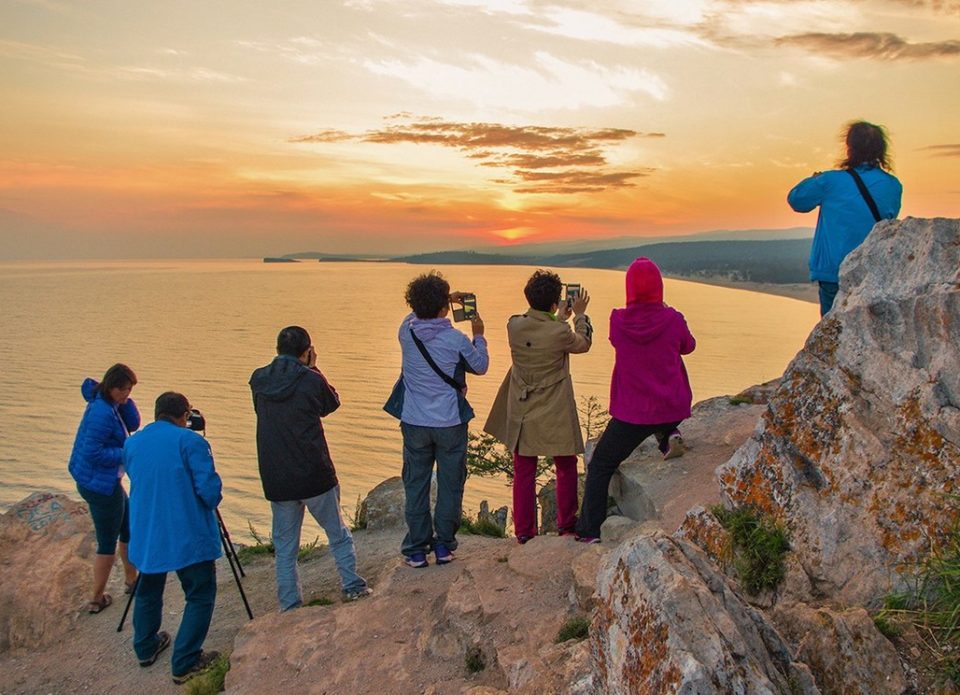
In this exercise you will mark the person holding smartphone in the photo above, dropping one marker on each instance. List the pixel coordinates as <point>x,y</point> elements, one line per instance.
<point>535,412</point>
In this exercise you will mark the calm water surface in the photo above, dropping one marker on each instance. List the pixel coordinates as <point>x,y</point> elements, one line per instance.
<point>201,327</point>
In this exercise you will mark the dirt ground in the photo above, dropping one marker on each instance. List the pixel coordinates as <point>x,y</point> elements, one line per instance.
<point>95,658</point>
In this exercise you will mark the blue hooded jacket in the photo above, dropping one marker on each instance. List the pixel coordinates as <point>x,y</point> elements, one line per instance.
<point>174,490</point>
<point>845,219</point>
<point>98,447</point>
<point>428,400</point>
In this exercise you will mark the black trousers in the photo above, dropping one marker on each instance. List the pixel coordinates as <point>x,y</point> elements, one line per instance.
<point>616,443</point>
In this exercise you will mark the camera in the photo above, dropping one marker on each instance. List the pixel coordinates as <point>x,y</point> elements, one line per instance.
<point>195,421</point>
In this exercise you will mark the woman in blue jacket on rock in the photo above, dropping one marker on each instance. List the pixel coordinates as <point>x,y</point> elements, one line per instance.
<point>96,466</point>
<point>846,216</point>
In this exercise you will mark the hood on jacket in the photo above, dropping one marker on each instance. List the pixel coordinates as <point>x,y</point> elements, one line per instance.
<point>641,322</point>
<point>278,380</point>
<point>89,389</point>
<point>428,329</point>
<point>644,282</point>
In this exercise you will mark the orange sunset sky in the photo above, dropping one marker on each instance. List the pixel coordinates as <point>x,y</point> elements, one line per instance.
<point>247,128</point>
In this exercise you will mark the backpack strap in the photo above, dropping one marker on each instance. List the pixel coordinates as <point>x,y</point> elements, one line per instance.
<point>866,194</point>
<point>426,355</point>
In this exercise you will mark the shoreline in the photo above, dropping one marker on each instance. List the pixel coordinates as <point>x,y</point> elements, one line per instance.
<point>801,291</point>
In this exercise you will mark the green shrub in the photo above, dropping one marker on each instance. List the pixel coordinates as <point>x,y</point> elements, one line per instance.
<point>481,527</point>
<point>322,601</point>
<point>758,545</point>
<point>475,660</point>
<point>209,682</point>
<point>264,546</point>
<point>575,628</point>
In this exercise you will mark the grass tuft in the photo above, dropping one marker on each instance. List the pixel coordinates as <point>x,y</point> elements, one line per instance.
<point>474,660</point>
<point>574,628</point>
<point>758,545</point>
<point>322,601</point>
<point>481,527</point>
<point>211,681</point>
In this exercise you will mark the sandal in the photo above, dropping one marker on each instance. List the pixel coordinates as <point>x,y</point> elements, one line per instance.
<point>97,606</point>
<point>130,587</point>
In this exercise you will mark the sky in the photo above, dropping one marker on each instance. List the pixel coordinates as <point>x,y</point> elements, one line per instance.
<point>235,128</point>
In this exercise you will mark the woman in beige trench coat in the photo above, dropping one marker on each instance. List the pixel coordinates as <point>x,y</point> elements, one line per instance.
<point>535,412</point>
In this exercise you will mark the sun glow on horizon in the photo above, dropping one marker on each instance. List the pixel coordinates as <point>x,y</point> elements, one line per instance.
<point>358,126</point>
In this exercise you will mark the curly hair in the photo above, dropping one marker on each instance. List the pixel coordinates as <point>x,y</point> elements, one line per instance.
<point>428,294</point>
<point>543,290</point>
<point>866,144</point>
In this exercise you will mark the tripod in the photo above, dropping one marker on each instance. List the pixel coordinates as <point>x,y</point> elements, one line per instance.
<point>231,554</point>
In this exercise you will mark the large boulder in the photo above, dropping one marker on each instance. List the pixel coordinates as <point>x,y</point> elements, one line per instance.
<point>860,444</point>
<point>669,622</point>
<point>46,565</point>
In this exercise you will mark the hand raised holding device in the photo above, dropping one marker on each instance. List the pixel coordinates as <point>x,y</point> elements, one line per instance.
<point>468,306</point>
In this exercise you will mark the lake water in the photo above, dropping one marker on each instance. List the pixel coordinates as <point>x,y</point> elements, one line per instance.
<point>201,327</point>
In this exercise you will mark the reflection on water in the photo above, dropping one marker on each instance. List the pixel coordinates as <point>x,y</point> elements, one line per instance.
<point>201,327</point>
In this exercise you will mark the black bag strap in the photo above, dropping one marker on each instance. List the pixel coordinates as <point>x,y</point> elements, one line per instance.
<point>426,355</point>
<point>866,194</point>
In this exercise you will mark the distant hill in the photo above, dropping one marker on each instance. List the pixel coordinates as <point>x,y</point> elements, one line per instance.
<point>775,261</point>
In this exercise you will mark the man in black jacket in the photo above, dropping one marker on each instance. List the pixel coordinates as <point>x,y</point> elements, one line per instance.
<point>290,395</point>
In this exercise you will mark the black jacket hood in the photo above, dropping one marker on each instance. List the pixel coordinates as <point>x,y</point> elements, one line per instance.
<point>278,380</point>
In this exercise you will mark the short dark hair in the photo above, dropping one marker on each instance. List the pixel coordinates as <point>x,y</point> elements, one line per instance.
<point>293,341</point>
<point>866,144</point>
<point>170,405</point>
<point>119,376</point>
<point>543,290</point>
<point>428,294</point>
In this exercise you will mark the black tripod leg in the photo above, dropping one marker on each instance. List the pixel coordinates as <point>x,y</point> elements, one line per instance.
<point>231,556</point>
<point>133,592</point>
<point>228,545</point>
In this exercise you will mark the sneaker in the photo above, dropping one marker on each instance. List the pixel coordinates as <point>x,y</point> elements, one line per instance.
<point>204,662</point>
<point>163,641</point>
<point>586,539</point>
<point>444,555</point>
<point>417,560</point>
<point>567,531</point>
<point>357,594</point>
<point>675,447</point>
<point>523,539</point>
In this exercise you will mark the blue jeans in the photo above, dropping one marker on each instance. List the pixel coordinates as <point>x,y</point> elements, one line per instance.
<point>287,523</point>
<point>421,447</point>
<point>828,292</point>
<point>199,583</point>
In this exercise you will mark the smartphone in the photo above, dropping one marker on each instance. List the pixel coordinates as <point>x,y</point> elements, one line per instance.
<point>468,310</point>
<point>573,291</point>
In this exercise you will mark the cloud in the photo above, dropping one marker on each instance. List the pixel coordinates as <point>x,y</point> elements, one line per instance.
<point>943,150</point>
<point>541,159</point>
<point>546,83</point>
<point>883,46</point>
<point>945,6</point>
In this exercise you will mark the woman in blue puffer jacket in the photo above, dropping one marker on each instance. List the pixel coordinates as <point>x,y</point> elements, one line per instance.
<point>96,466</point>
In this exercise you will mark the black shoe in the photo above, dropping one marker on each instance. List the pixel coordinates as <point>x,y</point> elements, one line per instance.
<point>163,641</point>
<point>204,662</point>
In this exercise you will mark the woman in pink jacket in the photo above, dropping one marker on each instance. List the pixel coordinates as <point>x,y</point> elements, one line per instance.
<point>649,391</point>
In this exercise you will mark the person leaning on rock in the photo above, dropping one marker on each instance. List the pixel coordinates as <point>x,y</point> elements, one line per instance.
<point>174,492</point>
<point>290,395</point>
<point>846,214</point>
<point>535,413</point>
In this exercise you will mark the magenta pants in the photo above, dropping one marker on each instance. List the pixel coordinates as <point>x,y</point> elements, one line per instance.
<point>525,494</point>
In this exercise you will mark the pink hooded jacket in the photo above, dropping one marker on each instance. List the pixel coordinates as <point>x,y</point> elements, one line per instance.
<point>649,385</point>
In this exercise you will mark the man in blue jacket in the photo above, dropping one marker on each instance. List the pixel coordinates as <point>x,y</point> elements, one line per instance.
<point>174,492</point>
<point>290,395</point>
